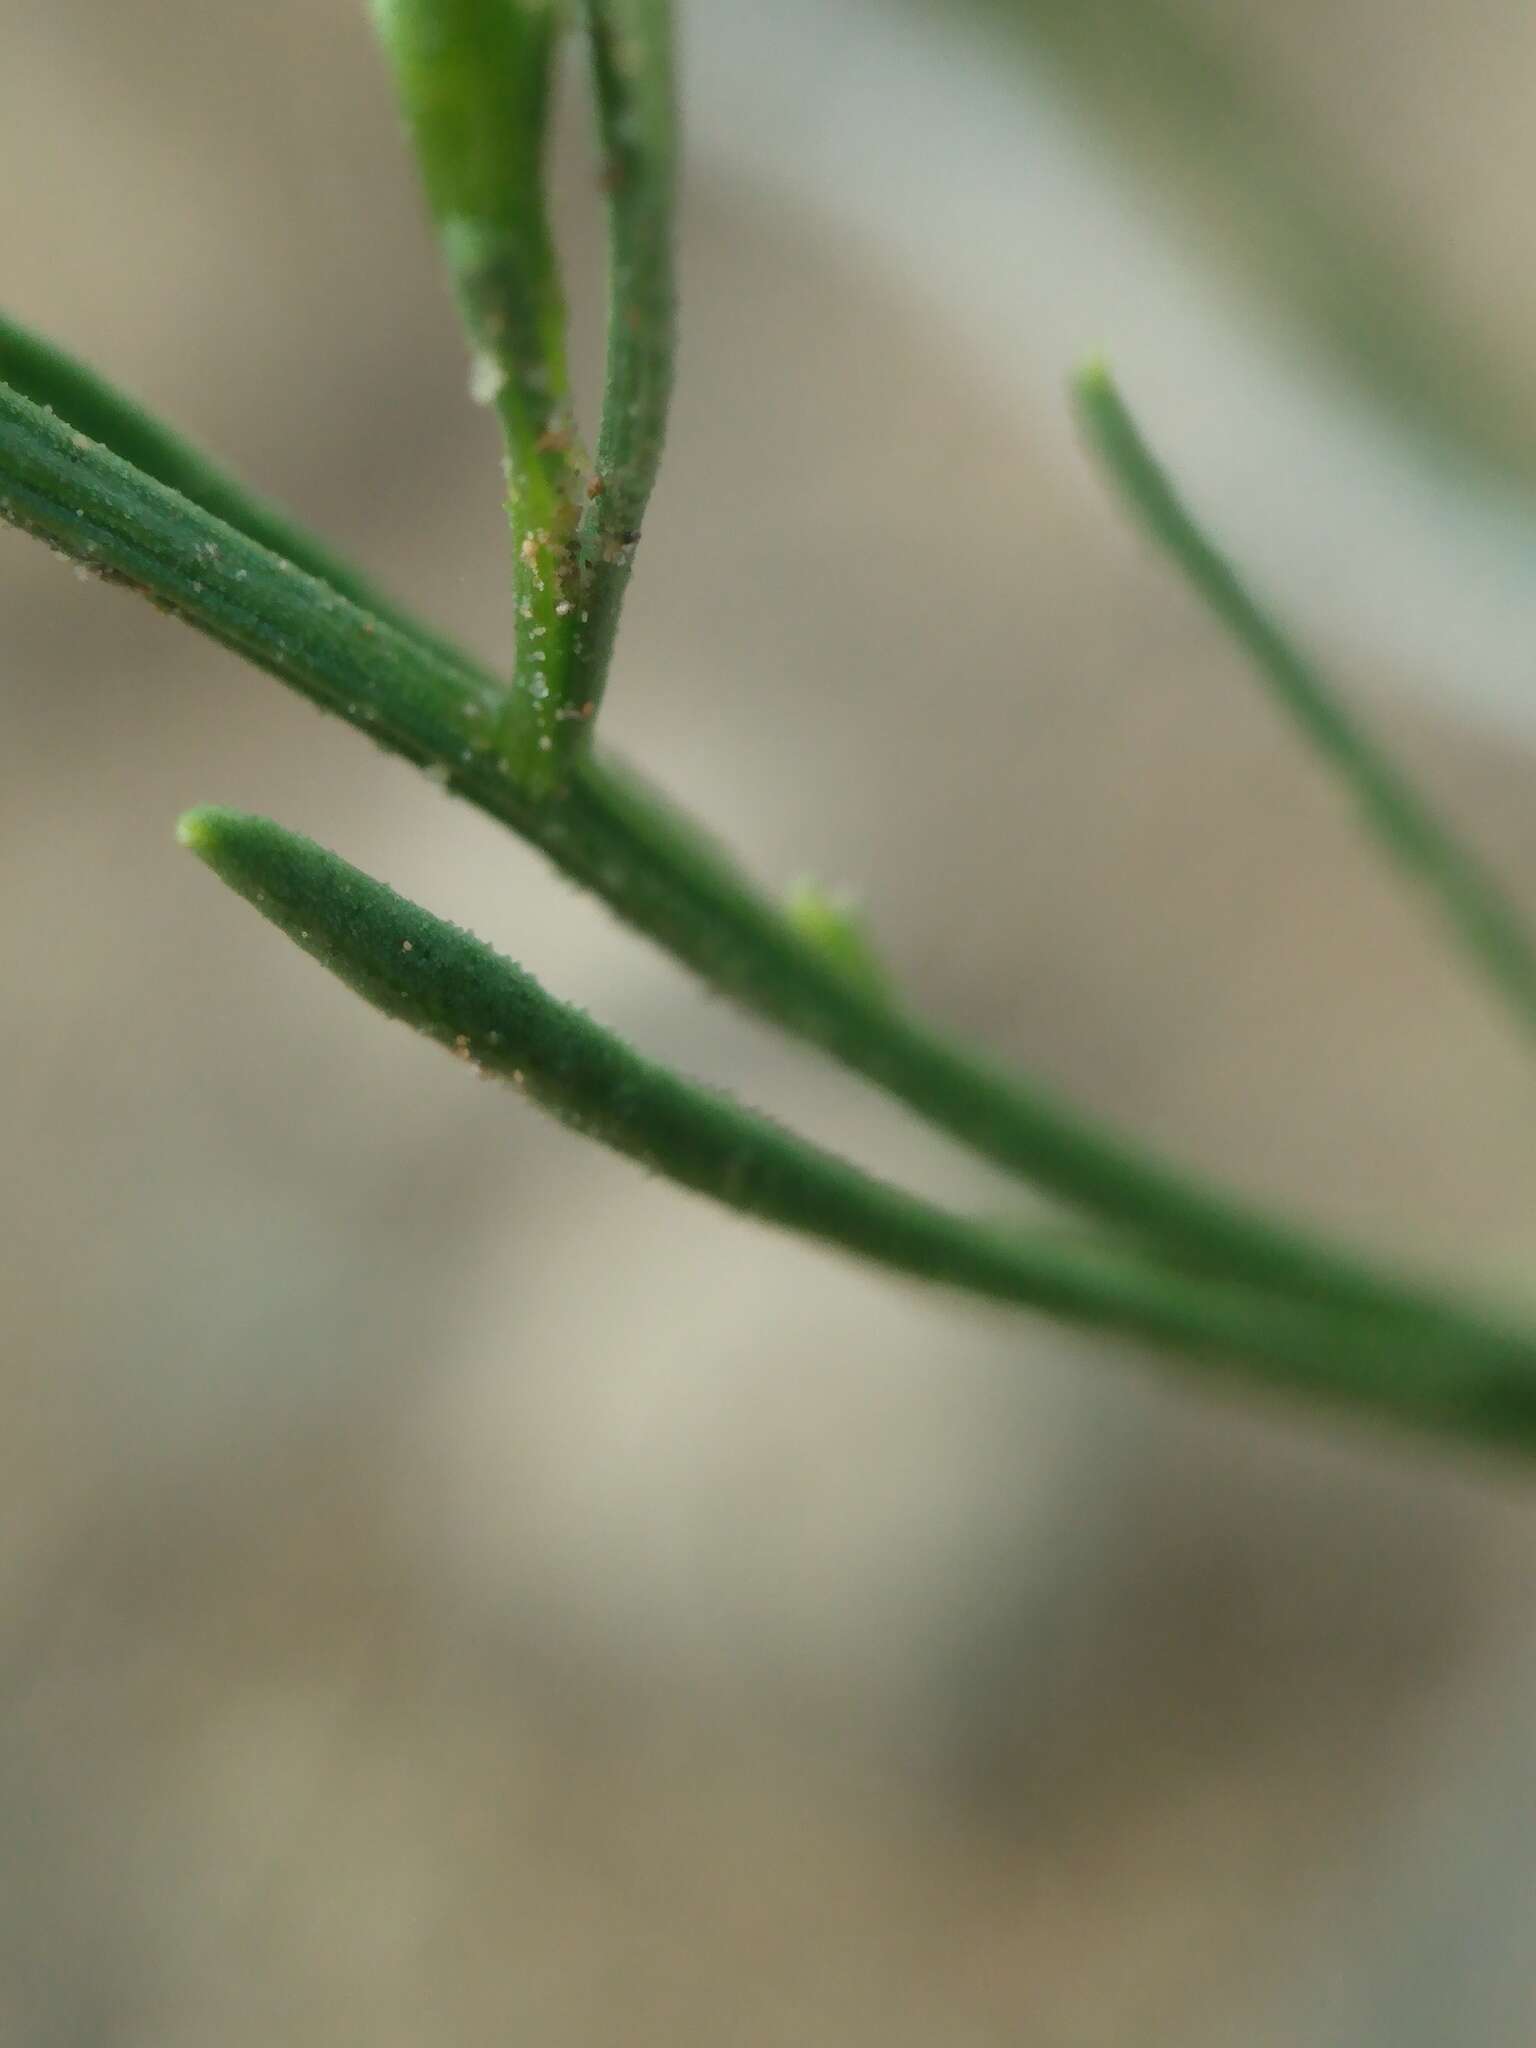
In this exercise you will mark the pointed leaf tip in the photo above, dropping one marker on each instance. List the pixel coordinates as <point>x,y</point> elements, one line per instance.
<point>197,829</point>
<point>234,844</point>
<point>1093,381</point>
<point>1096,367</point>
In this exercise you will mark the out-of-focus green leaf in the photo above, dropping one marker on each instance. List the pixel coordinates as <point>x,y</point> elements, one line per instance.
<point>1276,204</point>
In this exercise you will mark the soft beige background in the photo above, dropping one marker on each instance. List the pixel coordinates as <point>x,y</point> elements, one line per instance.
<point>455,1590</point>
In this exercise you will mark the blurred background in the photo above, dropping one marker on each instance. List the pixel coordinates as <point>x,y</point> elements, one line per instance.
<point>455,1590</point>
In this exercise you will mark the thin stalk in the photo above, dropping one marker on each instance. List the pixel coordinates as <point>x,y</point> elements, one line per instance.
<point>1473,905</point>
<point>414,967</point>
<point>632,68</point>
<point>61,384</point>
<point>474,79</point>
<point>653,867</point>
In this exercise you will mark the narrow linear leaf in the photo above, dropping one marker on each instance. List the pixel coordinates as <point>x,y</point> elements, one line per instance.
<point>474,79</point>
<point>610,833</point>
<point>632,68</point>
<point>442,981</point>
<point>1472,903</point>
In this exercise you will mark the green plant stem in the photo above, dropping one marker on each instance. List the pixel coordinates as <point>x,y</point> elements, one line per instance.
<point>608,832</point>
<point>59,383</point>
<point>632,66</point>
<point>427,973</point>
<point>1474,906</point>
<point>473,77</point>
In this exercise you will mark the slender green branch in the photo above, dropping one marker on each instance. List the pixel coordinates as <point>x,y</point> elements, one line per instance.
<point>62,385</point>
<point>1473,904</point>
<point>445,983</point>
<point>608,832</point>
<point>474,79</point>
<point>637,118</point>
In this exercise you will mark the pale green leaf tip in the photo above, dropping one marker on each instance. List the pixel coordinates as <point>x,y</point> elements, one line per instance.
<point>213,833</point>
<point>198,830</point>
<point>1093,381</point>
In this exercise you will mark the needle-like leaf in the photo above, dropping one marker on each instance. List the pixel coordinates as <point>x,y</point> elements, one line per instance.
<point>429,974</point>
